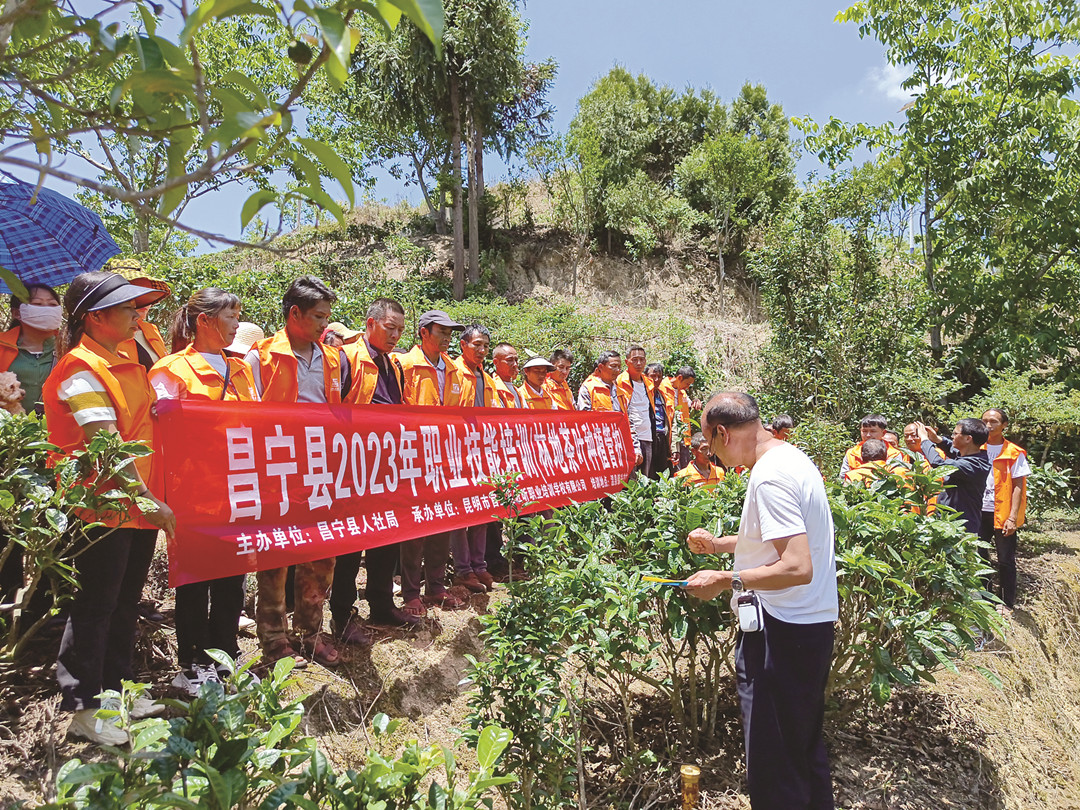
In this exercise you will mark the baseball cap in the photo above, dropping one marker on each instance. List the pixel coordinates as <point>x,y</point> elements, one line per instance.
<point>437,316</point>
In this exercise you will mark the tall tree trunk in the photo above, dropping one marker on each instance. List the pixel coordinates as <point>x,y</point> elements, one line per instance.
<point>437,214</point>
<point>474,202</point>
<point>936,347</point>
<point>140,237</point>
<point>455,180</point>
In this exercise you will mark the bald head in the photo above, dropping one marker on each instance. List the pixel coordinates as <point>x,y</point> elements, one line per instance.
<point>730,408</point>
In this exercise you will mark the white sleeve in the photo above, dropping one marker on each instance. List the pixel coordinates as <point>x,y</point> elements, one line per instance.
<point>252,359</point>
<point>779,512</point>
<point>844,469</point>
<point>584,401</point>
<point>1021,468</point>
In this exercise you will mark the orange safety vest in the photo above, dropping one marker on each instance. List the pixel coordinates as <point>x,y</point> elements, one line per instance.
<point>278,370</point>
<point>468,386</point>
<point>9,347</point>
<point>505,392</point>
<point>600,394</point>
<point>675,398</point>
<point>129,348</point>
<point>365,373</point>
<point>536,402</point>
<point>864,474</point>
<point>132,398</point>
<point>691,476</point>
<point>561,395</point>
<point>625,386</point>
<point>201,380</point>
<point>1003,481</point>
<point>854,455</point>
<point>422,380</point>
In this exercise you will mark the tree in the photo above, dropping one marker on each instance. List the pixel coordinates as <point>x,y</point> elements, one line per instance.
<point>74,83</point>
<point>425,107</point>
<point>986,156</point>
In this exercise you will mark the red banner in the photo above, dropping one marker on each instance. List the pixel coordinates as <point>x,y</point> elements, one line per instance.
<point>267,485</point>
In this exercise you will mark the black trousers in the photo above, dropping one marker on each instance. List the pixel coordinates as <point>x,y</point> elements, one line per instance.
<point>661,459</point>
<point>1005,547</point>
<point>381,562</point>
<point>99,639</point>
<point>782,671</point>
<point>496,562</point>
<point>207,615</point>
<point>646,450</point>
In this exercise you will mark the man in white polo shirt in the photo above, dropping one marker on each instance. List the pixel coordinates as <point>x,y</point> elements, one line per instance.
<point>784,555</point>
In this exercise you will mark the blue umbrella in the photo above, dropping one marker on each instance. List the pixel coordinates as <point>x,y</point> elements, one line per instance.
<point>51,241</point>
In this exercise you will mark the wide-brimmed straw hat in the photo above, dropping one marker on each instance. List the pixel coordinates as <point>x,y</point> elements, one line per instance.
<point>247,335</point>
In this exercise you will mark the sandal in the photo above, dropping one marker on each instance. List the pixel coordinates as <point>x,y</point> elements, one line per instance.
<point>321,650</point>
<point>415,607</point>
<point>283,650</point>
<point>444,600</point>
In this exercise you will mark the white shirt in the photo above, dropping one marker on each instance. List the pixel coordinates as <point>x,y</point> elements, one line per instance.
<point>638,411</point>
<point>166,386</point>
<point>785,496</point>
<point>1020,469</point>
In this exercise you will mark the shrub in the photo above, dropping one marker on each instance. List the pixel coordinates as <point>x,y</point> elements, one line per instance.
<point>39,507</point>
<point>578,651</point>
<point>237,746</point>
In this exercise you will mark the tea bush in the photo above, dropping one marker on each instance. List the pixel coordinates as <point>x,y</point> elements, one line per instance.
<point>39,505</point>
<point>237,745</point>
<point>585,646</point>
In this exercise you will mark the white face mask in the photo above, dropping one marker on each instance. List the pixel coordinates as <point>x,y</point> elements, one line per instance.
<point>47,319</point>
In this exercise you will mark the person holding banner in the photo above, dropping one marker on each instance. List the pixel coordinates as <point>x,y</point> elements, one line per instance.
<point>431,378</point>
<point>469,545</point>
<point>377,380</point>
<point>557,385</point>
<point>534,391</point>
<point>505,359</point>
<point>294,366</point>
<point>94,389</point>
<point>208,612</point>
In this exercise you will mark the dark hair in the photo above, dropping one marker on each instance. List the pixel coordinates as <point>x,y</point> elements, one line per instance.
<point>782,422</point>
<point>604,357</point>
<point>874,450</point>
<point>499,347</point>
<point>697,438</point>
<point>305,293</point>
<point>894,434</point>
<point>976,429</point>
<point>1001,414</point>
<point>561,354</point>
<point>30,290</point>
<point>686,373</point>
<point>649,369</point>
<point>381,307</point>
<point>208,301</point>
<point>76,291</point>
<point>635,348</point>
<point>473,330</point>
<point>730,408</point>
<point>874,420</point>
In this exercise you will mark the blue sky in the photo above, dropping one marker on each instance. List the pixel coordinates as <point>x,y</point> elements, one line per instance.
<point>810,64</point>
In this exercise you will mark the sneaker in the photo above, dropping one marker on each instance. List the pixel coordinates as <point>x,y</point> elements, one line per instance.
<point>141,708</point>
<point>191,680</point>
<point>100,731</point>
<point>246,624</point>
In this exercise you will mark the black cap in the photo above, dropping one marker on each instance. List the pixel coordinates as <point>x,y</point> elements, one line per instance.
<point>437,316</point>
<point>114,290</point>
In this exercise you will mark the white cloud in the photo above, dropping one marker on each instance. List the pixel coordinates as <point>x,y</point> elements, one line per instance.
<point>885,81</point>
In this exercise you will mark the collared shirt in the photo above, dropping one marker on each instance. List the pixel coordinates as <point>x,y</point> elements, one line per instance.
<point>660,409</point>
<point>584,400</point>
<point>311,384</point>
<point>440,369</point>
<point>32,368</point>
<point>478,397</point>
<point>387,390</point>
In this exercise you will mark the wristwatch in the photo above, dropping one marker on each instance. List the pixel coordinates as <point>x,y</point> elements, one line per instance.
<point>736,582</point>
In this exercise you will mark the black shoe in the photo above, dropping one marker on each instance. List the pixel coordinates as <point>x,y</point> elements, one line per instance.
<point>149,612</point>
<point>350,631</point>
<point>394,617</point>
